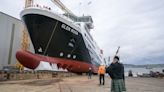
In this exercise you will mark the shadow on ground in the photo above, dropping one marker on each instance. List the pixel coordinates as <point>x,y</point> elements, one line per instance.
<point>33,82</point>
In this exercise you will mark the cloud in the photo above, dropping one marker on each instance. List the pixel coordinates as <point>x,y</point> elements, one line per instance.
<point>12,7</point>
<point>135,25</point>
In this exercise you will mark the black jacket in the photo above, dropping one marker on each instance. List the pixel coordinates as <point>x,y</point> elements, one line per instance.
<point>116,71</point>
<point>90,72</point>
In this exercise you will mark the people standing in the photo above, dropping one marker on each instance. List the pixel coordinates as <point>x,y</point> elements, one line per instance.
<point>116,72</point>
<point>130,74</point>
<point>101,72</point>
<point>90,73</point>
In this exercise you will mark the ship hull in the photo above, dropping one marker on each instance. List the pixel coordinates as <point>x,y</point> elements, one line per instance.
<point>32,61</point>
<point>54,41</point>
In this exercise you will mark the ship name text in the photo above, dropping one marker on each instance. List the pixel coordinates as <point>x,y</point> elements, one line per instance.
<point>69,29</point>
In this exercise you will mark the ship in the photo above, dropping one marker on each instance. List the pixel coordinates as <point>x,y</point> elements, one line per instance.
<point>60,39</point>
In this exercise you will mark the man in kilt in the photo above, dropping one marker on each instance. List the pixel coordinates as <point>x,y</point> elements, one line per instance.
<point>116,72</point>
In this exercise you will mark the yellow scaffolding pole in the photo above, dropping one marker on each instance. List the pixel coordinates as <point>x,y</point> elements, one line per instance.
<point>24,45</point>
<point>25,38</point>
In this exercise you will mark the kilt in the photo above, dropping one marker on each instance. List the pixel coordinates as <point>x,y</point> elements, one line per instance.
<point>118,85</point>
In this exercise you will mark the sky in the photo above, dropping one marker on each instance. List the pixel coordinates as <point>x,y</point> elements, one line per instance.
<point>137,26</point>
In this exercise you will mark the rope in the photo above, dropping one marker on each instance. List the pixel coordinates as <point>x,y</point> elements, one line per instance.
<point>50,38</point>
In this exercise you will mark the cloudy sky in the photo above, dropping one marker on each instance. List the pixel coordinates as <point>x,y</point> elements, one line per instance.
<point>137,26</point>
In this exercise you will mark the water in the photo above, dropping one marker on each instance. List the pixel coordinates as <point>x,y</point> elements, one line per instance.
<point>140,71</point>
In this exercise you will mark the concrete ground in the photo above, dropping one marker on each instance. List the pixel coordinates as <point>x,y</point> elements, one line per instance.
<point>80,84</point>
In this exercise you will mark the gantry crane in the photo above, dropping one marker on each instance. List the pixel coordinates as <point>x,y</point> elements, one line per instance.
<point>58,3</point>
<point>62,6</point>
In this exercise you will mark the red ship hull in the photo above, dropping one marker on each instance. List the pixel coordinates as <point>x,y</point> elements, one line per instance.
<point>32,61</point>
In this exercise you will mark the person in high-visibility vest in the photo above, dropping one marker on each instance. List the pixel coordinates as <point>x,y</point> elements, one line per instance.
<point>101,72</point>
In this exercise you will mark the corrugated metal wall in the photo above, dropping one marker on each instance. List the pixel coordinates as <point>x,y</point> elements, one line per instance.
<point>10,39</point>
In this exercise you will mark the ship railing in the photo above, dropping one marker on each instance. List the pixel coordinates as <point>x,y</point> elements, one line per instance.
<point>37,6</point>
<point>49,9</point>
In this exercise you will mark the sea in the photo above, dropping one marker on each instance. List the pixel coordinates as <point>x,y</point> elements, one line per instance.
<point>141,71</point>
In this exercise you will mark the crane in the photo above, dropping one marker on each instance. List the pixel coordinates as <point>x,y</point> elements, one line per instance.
<point>62,6</point>
<point>58,3</point>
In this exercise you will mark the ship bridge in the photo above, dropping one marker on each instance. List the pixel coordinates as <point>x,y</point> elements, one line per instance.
<point>86,19</point>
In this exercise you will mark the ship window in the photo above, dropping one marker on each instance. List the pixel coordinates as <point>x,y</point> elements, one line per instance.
<point>69,55</point>
<point>74,56</point>
<point>61,53</point>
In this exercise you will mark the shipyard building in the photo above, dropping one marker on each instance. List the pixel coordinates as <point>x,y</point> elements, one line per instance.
<point>11,40</point>
<point>11,30</point>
